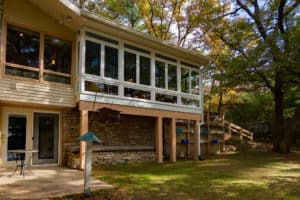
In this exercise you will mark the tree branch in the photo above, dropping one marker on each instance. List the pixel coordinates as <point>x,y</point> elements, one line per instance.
<point>255,17</point>
<point>281,16</point>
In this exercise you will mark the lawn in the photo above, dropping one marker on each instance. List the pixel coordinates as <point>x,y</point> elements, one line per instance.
<point>248,175</point>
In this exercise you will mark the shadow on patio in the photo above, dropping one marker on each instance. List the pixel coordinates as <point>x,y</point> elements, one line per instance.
<point>44,183</point>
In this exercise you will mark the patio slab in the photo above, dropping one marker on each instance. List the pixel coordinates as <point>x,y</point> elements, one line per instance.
<point>44,183</point>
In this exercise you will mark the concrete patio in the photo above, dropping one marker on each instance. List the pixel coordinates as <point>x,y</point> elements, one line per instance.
<point>44,183</point>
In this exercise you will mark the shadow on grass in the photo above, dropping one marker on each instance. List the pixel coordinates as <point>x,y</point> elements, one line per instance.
<point>249,175</point>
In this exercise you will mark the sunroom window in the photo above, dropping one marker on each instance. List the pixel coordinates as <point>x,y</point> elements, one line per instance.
<point>172,77</point>
<point>185,80</point>
<point>130,67</point>
<point>195,82</point>
<point>160,74</point>
<point>111,62</point>
<point>92,58</point>
<point>145,71</point>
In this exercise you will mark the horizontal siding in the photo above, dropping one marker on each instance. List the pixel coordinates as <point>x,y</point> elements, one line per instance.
<point>28,92</point>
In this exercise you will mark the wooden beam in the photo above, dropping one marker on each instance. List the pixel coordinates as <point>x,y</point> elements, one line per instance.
<point>159,140</point>
<point>196,139</point>
<point>173,140</point>
<point>83,129</point>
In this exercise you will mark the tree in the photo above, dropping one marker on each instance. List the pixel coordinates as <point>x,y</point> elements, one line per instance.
<point>264,39</point>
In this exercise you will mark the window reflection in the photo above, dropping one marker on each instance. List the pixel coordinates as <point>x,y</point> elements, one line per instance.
<point>160,74</point>
<point>140,94</point>
<point>145,71</point>
<point>92,58</point>
<point>185,84</point>
<point>101,88</point>
<point>16,139</point>
<point>57,55</point>
<point>111,62</point>
<point>166,98</point>
<point>195,81</point>
<point>172,77</point>
<point>190,102</point>
<point>22,47</point>
<point>129,67</point>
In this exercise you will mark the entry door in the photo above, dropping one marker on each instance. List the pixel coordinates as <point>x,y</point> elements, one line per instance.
<point>45,138</point>
<point>16,135</point>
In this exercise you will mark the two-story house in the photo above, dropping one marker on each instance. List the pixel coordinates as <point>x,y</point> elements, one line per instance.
<point>64,71</point>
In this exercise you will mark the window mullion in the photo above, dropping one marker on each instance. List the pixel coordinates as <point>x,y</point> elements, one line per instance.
<point>121,69</point>
<point>102,60</point>
<point>190,81</point>
<point>41,57</point>
<point>166,76</point>
<point>179,82</point>
<point>137,68</point>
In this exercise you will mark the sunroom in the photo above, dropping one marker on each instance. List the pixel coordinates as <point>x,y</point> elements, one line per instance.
<point>135,79</point>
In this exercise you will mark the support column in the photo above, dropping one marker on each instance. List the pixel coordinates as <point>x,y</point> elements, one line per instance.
<point>196,139</point>
<point>159,140</point>
<point>173,140</point>
<point>84,123</point>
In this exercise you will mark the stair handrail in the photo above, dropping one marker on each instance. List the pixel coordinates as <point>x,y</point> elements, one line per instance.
<point>238,130</point>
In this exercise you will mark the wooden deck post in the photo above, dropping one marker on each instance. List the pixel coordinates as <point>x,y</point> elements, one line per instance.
<point>84,122</point>
<point>173,140</point>
<point>159,140</point>
<point>196,139</point>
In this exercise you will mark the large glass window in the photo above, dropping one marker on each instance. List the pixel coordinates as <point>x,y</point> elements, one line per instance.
<point>185,80</point>
<point>111,62</point>
<point>23,54</point>
<point>57,56</point>
<point>145,72</point>
<point>22,47</point>
<point>172,77</point>
<point>160,74</point>
<point>130,67</point>
<point>92,58</point>
<point>195,82</point>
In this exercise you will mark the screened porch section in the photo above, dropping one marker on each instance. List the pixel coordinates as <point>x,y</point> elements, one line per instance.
<point>115,71</point>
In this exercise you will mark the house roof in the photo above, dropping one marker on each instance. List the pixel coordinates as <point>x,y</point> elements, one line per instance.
<point>65,12</point>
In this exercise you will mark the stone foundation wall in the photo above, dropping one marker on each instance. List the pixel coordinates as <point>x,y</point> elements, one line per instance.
<point>129,131</point>
<point>118,157</point>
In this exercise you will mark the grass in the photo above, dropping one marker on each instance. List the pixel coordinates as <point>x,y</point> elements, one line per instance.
<point>247,175</point>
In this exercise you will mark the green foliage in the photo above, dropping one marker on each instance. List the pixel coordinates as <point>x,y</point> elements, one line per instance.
<point>254,112</point>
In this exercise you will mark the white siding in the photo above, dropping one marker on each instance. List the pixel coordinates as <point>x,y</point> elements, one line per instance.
<point>37,93</point>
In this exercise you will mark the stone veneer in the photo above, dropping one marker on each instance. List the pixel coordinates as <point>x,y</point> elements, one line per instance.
<point>130,131</point>
<point>118,157</point>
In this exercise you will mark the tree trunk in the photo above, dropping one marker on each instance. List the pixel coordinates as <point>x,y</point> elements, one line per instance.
<point>281,140</point>
<point>220,102</point>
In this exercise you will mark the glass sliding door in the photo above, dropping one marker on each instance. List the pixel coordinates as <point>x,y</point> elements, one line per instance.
<point>16,134</point>
<point>45,140</point>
